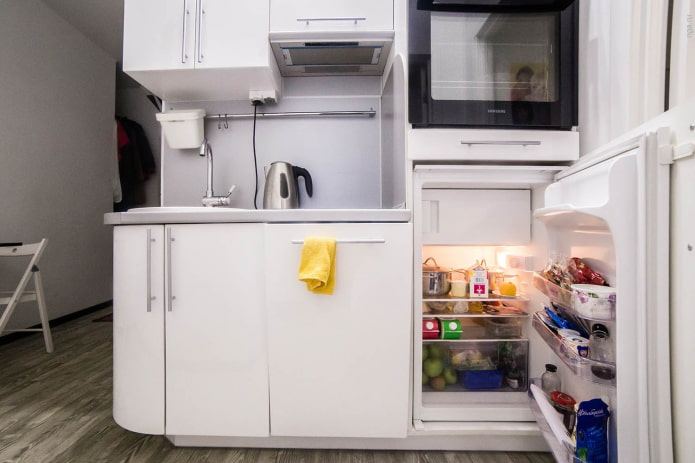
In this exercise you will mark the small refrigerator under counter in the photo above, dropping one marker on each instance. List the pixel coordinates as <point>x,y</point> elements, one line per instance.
<point>611,210</point>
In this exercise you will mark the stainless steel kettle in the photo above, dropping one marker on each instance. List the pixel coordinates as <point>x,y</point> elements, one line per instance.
<point>281,185</point>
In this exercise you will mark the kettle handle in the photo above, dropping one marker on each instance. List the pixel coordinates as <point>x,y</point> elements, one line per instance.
<point>302,172</point>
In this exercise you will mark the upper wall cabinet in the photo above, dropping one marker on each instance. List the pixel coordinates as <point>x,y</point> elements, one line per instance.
<point>330,15</point>
<point>184,50</point>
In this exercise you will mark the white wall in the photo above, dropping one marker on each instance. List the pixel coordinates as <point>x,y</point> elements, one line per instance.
<point>56,142</point>
<point>622,46</point>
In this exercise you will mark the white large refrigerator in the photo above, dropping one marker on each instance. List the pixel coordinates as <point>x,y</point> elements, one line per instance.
<point>611,209</point>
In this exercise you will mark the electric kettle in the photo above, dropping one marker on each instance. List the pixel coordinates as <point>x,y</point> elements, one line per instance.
<point>281,185</point>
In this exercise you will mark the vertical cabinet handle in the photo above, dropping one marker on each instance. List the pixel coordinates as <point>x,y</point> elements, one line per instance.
<point>199,31</point>
<point>186,12</point>
<point>170,292</point>
<point>150,297</point>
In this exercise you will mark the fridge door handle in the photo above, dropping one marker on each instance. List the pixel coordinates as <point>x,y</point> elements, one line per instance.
<point>150,297</point>
<point>170,291</point>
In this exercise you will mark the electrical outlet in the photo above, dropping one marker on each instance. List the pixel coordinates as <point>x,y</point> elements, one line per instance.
<point>263,96</point>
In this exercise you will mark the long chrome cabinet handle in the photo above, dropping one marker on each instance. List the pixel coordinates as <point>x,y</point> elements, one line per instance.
<point>357,241</point>
<point>186,12</point>
<point>150,297</point>
<point>199,32</point>
<point>170,291</point>
<point>308,20</point>
<point>501,142</point>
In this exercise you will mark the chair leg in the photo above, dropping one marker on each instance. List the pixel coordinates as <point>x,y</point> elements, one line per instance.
<point>41,301</point>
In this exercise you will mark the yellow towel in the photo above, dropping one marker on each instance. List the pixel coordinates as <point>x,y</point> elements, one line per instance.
<point>317,265</point>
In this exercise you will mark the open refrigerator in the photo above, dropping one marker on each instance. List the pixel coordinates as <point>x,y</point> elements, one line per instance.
<point>611,210</point>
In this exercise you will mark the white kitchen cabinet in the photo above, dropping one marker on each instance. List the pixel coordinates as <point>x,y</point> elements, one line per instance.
<point>450,216</point>
<point>138,328</point>
<point>216,362</point>
<point>340,364</point>
<point>435,144</point>
<point>189,336</point>
<point>199,49</point>
<point>330,15</point>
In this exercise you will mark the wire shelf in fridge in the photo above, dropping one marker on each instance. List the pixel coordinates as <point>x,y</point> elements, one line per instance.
<point>584,368</point>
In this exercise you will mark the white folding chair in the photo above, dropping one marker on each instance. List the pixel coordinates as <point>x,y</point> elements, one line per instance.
<point>21,294</point>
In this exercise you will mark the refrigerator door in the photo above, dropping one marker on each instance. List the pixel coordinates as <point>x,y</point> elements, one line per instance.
<point>612,210</point>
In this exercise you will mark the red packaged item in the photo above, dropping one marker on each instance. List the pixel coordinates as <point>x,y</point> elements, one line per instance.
<point>583,274</point>
<point>430,328</point>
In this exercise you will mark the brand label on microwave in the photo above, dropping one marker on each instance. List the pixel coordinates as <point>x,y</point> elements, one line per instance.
<point>497,111</point>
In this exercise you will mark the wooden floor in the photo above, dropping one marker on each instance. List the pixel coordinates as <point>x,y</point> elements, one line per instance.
<point>57,408</point>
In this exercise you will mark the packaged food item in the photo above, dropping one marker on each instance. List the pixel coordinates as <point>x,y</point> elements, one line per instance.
<point>583,274</point>
<point>564,403</point>
<point>592,431</point>
<point>550,380</point>
<point>478,278</point>
<point>430,328</point>
<point>593,301</point>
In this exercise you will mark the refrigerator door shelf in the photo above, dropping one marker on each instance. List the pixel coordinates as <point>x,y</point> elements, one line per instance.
<point>550,423</point>
<point>582,367</point>
<point>564,299</point>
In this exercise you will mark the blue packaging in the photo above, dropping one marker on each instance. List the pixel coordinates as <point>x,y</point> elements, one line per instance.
<point>592,431</point>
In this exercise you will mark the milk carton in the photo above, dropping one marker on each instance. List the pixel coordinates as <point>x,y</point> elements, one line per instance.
<point>479,283</point>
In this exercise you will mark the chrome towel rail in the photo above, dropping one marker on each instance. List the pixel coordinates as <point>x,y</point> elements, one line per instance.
<point>369,113</point>
<point>356,241</point>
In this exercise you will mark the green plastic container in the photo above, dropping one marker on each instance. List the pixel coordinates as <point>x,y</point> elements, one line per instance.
<point>450,328</point>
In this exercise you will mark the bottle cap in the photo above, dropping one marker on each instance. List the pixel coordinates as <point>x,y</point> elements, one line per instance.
<point>563,399</point>
<point>550,367</point>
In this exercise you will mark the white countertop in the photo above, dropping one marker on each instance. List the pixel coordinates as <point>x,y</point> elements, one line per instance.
<point>161,215</point>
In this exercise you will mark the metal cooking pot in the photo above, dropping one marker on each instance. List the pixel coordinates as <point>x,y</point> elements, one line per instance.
<point>435,281</point>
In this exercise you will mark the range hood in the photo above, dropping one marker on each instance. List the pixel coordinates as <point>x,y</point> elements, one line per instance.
<point>347,54</point>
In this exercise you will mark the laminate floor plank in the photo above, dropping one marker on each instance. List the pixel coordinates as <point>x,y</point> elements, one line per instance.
<point>56,408</point>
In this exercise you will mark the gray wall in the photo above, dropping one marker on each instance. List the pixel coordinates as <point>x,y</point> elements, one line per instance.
<point>56,154</point>
<point>341,153</point>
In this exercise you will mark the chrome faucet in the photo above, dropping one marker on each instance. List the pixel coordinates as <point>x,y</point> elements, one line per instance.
<point>210,200</point>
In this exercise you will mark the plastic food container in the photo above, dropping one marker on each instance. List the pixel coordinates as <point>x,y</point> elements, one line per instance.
<point>503,327</point>
<point>593,301</point>
<point>450,328</point>
<point>430,328</point>
<point>480,379</point>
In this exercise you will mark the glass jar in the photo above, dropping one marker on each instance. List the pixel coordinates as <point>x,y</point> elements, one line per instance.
<point>550,380</point>
<point>601,350</point>
<point>564,403</point>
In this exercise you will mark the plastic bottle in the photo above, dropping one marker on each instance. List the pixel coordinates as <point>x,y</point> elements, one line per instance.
<point>550,381</point>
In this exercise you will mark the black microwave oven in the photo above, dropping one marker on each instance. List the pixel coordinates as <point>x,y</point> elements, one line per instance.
<point>493,63</point>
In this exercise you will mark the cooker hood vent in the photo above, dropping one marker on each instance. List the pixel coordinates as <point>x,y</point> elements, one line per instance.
<point>301,56</point>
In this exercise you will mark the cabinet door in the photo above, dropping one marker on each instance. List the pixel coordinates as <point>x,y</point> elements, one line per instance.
<point>159,34</point>
<point>216,362</point>
<point>331,15</point>
<point>232,34</point>
<point>138,328</point>
<point>476,217</point>
<point>340,363</point>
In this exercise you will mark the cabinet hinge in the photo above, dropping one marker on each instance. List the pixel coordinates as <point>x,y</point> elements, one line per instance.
<point>668,154</point>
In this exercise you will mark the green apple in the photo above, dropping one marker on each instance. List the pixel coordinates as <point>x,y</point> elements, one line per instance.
<point>433,367</point>
<point>425,352</point>
<point>438,383</point>
<point>425,378</point>
<point>437,351</point>
<point>449,375</point>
